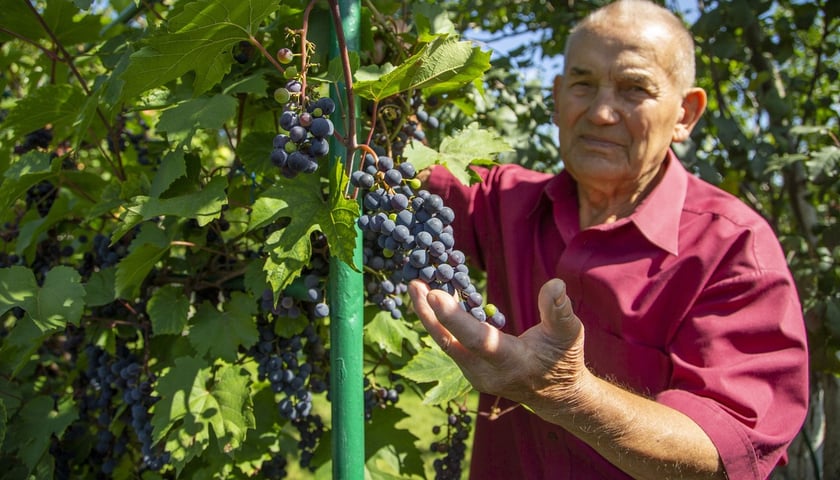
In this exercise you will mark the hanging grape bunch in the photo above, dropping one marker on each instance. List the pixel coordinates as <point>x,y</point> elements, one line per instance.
<point>307,129</point>
<point>408,234</point>
<point>307,140</point>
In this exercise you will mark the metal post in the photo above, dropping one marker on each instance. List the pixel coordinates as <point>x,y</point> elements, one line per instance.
<point>346,291</point>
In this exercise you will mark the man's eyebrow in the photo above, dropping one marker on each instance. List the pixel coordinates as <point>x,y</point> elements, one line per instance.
<point>579,71</point>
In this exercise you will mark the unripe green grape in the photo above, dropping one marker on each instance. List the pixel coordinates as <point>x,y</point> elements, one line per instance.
<point>282,96</point>
<point>490,309</point>
<point>291,72</point>
<point>414,183</point>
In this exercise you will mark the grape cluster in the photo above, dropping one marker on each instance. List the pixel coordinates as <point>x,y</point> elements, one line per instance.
<point>308,136</point>
<point>409,235</point>
<point>453,445</point>
<point>292,367</point>
<point>275,467</point>
<point>106,376</point>
<point>296,365</point>
<point>379,396</point>
<point>42,196</point>
<point>40,138</point>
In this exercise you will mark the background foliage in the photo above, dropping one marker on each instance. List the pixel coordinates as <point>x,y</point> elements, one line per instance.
<point>770,136</point>
<point>159,143</point>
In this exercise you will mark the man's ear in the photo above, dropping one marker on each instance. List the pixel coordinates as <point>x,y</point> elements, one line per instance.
<point>555,92</point>
<point>692,108</point>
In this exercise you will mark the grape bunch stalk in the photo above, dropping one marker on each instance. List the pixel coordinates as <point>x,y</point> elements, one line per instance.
<point>408,235</point>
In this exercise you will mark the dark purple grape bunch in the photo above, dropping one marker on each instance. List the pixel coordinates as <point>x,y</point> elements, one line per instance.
<point>307,137</point>
<point>452,444</point>
<point>408,234</point>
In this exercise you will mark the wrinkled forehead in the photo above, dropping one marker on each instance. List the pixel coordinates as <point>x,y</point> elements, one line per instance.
<point>635,45</point>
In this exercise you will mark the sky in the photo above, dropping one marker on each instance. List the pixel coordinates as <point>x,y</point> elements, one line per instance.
<point>547,68</point>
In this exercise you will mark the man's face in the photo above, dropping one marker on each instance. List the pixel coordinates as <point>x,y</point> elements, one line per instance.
<point>617,106</point>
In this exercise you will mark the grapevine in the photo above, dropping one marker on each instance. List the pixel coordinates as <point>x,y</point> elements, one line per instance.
<point>166,239</point>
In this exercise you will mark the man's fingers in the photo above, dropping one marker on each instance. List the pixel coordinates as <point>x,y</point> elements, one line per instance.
<point>419,291</point>
<point>478,337</point>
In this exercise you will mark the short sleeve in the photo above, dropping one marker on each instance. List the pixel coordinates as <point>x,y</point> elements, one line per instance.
<point>740,370</point>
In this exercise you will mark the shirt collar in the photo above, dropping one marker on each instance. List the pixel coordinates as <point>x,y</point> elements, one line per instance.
<point>657,217</point>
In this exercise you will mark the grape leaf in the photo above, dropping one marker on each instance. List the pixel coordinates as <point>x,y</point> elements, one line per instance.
<point>51,307</point>
<point>432,20</point>
<point>219,334</point>
<point>389,333</point>
<point>432,365</point>
<point>473,145</point>
<point>61,17</point>
<point>197,113</point>
<point>47,310</point>
<point>99,289</point>
<point>35,424</point>
<point>168,309</point>
<point>444,64</point>
<point>55,105</point>
<point>133,268</point>
<point>17,17</point>
<point>23,174</point>
<point>386,440</point>
<point>172,167</point>
<point>205,206</point>
<point>3,421</point>
<point>199,39</point>
<point>194,400</point>
<point>301,200</point>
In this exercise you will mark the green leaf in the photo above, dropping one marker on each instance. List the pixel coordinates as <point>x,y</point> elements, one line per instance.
<point>63,19</point>
<point>388,440</point>
<point>254,150</point>
<point>199,40</point>
<point>301,200</point>
<point>172,167</point>
<point>60,301</point>
<point>3,422</point>
<point>168,310</point>
<point>194,401</point>
<point>197,113</point>
<point>236,323</point>
<point>18,17</point>
<point>205,206</point>
<point>35,424</point>
<point>48,309</point>
<point>432,21</point>
<point>469,146</point>
<point>17,288</point>
<point>443,65</point>
<point>432,365</point>
<point>99,289</point>
<point>389,333</point>
<point>55,105</point>
<point>23,174</point>
<point>133,268</point>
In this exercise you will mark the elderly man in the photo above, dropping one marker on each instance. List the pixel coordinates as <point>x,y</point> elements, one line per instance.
<point>654,330</point>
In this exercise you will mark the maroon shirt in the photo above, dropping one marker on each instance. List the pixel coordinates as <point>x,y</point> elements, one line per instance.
<point>688,301</point>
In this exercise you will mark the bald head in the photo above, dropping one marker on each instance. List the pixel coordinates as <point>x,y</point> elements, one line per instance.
<point>650,20</point>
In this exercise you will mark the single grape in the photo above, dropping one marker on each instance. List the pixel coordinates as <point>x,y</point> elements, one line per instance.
<point>285,55</point>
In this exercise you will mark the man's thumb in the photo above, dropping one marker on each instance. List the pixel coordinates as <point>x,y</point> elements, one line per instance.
<point>556,310</point>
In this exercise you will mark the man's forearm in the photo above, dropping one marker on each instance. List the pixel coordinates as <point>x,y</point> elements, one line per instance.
<point>643,438</point>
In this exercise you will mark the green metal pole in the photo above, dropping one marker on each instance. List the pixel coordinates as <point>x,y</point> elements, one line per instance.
<point>346,290</point>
